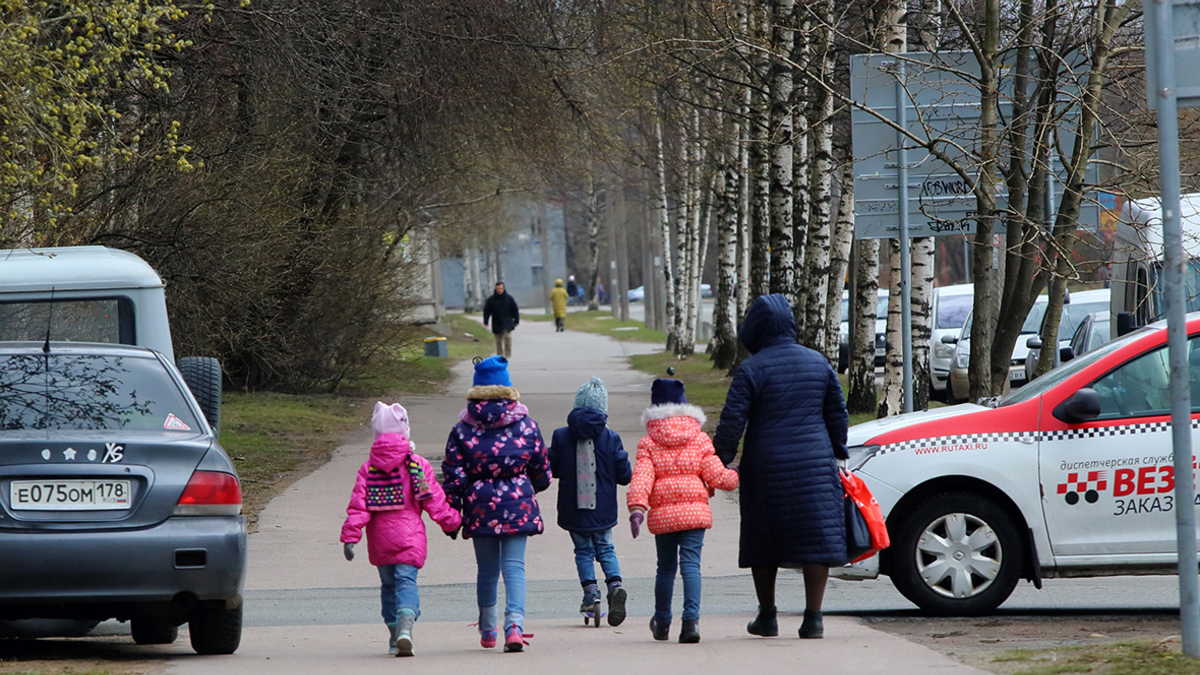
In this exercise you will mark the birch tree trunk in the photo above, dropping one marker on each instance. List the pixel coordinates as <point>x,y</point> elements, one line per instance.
<point>760,169</point>
<point>862,396</point>
<point>817,272</point>
<point>782,239</point>
<point>724,340</point>
<point>593,233</point>
<point>921,297</point>
<point>664,222</point>
<point>745,221</point>
<point>683,211</point>
<point>689,241</point>
<point>801,179</point>
<point>892,398</point>
<point>839,261</point>
<point>469,301</point>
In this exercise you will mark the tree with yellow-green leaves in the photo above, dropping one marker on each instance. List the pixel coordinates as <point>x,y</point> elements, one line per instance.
<point>69,76</point>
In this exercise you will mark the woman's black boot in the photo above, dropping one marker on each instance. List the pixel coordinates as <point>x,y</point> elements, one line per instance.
<point>812,628</point>
<point>765,624</point>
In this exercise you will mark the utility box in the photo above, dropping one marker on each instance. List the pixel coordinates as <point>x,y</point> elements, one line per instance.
<point>436,346</point>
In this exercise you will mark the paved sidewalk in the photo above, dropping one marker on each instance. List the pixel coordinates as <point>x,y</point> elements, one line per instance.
<point>296,562</point>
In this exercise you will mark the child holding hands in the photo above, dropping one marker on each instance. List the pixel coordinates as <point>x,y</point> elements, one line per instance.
<point>676,467</point>
<point>394,486</point>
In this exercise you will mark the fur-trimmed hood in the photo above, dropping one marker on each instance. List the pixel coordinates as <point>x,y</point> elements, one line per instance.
<point>493,392</point>
<point>673,423</point>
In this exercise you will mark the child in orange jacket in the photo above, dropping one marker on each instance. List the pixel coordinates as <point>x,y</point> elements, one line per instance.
<point>676,471</point>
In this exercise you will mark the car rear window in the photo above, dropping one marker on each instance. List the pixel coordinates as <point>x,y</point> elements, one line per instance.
<point>90,392</point>
<point>108,320</point>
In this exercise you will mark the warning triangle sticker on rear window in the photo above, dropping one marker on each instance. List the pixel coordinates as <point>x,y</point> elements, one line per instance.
<point>175,424</point>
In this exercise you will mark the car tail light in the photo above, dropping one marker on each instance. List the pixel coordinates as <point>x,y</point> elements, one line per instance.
<point>210,493</point>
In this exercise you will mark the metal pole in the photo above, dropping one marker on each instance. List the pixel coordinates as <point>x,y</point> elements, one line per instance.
<point>1163,53</point>
<point>905,247</point>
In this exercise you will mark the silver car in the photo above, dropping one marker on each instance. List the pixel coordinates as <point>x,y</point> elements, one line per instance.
<point>115,499</point>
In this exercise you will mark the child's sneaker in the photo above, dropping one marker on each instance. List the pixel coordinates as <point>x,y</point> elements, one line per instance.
<point>487,627</point>
<point>616,604</point>
<point>514,639</point>
<point>391,638</point>
<point>590,607</point>
<point>487,639</point>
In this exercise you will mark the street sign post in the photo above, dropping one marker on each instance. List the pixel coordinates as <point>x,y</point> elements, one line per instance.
<point>1173,52</point>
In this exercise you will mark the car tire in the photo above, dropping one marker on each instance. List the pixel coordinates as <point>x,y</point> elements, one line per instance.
<point>978,572</point>
<point>148,631</point>
<point>215,630</point>
<point>203,377</point>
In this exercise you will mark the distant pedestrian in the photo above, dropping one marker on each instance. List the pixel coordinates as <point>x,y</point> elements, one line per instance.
<point>789,402</point>
<point>495,463</point>
<point>581,294</point>
<point>675,471</point>
<point>590,462</point>
<point>572,289</point>
<point>501,309</point>
<point>394,486</point>
<point>601,294</point>
<point>558,301</point>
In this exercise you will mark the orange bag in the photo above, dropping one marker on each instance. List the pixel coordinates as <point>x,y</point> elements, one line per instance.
<point>864,501</point>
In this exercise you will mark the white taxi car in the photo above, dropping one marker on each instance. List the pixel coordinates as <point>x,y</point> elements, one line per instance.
<point>1068,476</point>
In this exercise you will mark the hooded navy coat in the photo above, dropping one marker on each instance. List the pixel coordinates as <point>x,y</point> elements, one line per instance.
<point>612,469</point>
<point>789,402</point>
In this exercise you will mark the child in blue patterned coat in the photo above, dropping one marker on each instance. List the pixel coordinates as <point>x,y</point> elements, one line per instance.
<point>495,463</point>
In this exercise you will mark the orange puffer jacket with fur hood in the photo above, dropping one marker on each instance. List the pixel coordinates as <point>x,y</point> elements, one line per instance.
<point>676,470</point>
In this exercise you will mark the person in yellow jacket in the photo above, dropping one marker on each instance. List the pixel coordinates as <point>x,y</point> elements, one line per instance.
<point>558,300</point>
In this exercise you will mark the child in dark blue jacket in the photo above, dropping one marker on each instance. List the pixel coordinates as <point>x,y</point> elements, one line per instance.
<point>589,461</point>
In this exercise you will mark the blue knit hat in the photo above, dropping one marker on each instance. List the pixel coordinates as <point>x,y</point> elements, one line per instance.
<point>592,395</point>
<point>492,371</point>
<point>664,392</point>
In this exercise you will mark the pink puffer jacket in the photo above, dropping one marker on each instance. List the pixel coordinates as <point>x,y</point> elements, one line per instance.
<point>396,536</point>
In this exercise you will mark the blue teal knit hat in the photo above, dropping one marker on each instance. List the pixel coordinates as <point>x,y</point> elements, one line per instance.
<point>492,371</point>
<point>592,395</point>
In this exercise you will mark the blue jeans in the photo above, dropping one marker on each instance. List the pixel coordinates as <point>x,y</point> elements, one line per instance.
<point>592,548</point>
<point>501,555</point>
<point>398,590</point>
<point>680,549</point>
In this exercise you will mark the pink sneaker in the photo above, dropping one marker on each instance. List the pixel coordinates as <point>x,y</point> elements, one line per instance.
<point>487,639</point>
<point>514,639</point>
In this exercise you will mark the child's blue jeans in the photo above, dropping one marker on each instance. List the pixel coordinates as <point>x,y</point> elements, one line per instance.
<point>592,548</point>
<point>501,555</point>
<point>398,590</point>
<point>680,549</point>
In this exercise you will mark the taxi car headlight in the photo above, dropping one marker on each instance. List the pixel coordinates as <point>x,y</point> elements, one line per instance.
<point>859,455</point>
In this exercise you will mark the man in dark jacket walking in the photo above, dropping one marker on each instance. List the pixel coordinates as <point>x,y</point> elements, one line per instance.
<point>589,462</point>
<point>501,309</point>
<point>789,402</point>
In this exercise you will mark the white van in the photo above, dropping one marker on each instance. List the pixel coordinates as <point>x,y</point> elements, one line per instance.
<point>1138,258</point>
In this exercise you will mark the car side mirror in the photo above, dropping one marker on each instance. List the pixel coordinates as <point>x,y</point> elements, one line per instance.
<point>1082,406</point>
<point>949,339</point>
<point>1034,342</point>
<point>1066,354</point>
<point>1126,323</point>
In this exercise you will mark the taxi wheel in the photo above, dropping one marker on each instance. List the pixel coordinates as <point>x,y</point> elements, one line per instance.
<point>957,555</point>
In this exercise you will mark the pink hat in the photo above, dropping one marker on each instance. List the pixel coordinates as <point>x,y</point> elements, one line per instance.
<point>389,419</point>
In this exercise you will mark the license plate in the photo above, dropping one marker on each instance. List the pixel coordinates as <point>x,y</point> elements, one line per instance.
<point>70,495</point>
<point>1017,375</point>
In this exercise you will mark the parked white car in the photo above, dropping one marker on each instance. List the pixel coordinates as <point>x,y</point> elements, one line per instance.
<point>1077,308</point>
<point>951,305</point>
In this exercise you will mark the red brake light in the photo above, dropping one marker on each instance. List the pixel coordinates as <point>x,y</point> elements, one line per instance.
<point>211,493</point>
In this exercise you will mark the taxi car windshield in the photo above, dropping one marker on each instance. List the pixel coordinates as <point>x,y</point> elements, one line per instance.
<point>90,392</point>
<point>1051,379</point>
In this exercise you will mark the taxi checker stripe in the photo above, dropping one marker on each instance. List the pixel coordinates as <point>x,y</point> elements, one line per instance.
<point>1061,435</point>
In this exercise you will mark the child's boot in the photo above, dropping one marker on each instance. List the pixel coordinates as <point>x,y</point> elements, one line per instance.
<point>404,628</point>
<point>689,634</point>
<point>487,626</point>
<point>590,607</point>
<point>616,603</point>
<point>766,624</point>
<point>391,638</point>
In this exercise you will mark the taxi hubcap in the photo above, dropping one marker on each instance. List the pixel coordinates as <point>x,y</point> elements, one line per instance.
<point>958,555</point>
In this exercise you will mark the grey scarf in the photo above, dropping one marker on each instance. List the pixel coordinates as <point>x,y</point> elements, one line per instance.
<point>585,474</point>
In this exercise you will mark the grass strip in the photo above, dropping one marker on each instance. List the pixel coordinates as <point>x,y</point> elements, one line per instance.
<point>1122,658</point>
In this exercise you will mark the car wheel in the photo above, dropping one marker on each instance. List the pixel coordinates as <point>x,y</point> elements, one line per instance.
<point>203,377</point>
<point>149,631</point>
<point>957,555</point>
<point>215,630</point>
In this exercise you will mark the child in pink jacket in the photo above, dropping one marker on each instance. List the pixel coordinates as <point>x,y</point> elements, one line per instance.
<point>394,486</point>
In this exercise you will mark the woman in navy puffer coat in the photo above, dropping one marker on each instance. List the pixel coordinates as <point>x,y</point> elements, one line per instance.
<point>789,402</point>
<point>495,463</point>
